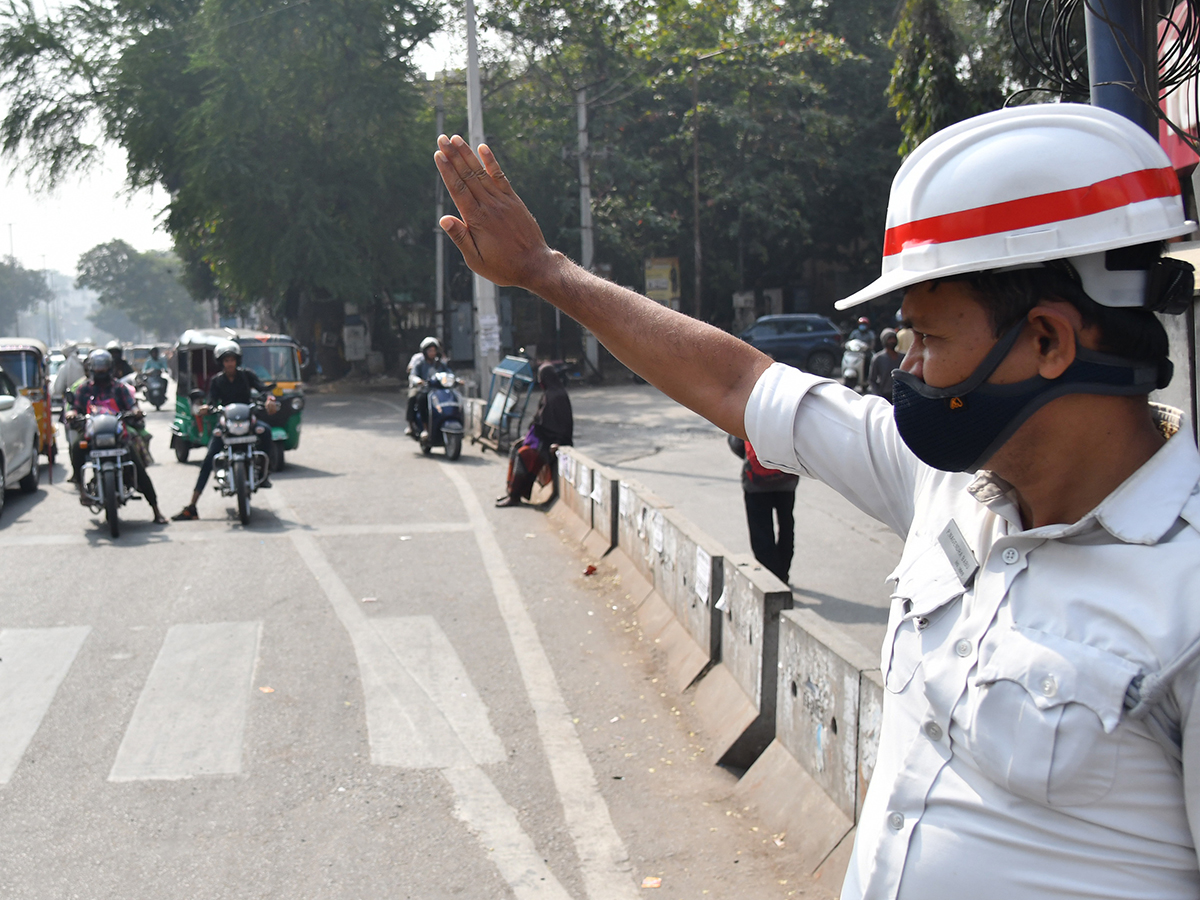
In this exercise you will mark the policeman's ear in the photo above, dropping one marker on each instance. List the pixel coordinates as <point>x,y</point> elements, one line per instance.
<point>1052,331</point>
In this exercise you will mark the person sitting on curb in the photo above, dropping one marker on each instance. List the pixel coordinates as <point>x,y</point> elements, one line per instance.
<point>1040,668</point>
<point>553,426</point>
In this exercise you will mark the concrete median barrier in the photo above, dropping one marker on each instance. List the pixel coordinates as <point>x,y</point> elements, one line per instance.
<point>784,694</point>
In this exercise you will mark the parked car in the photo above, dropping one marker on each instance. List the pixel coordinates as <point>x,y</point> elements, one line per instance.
<point>18,439</point>
<point>803,340</point>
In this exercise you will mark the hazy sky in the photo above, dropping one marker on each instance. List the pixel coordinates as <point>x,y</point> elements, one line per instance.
<point>54,229</point>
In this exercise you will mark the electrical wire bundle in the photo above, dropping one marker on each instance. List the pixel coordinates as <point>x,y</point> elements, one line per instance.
<point>1050,38</point>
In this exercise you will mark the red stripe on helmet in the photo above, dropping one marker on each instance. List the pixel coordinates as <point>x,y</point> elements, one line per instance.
<point>1029,212</point>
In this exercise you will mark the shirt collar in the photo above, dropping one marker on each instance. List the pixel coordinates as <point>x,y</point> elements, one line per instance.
<point>1143,508</point>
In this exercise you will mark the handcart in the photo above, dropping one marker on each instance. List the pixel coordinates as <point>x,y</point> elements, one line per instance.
<point>508,397</point>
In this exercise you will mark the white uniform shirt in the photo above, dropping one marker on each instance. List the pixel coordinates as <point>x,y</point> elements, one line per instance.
<point>1006,767</point>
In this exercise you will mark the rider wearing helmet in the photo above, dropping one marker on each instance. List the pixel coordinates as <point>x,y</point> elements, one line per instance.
<point>120,367</point>
<point>1039,665</point>
<point>232,384</point>
<point>104,393</point>
<point>862,331</point>
<point>423,366</point>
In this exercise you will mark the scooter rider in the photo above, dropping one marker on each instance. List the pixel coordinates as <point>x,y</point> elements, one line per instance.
<point>422,367</point>
<point>104,391</point>
<point>154,363</point>
<point>120,366</point>
<point>1036,737</point>
<point>862,332</point>
<point>232,384</point>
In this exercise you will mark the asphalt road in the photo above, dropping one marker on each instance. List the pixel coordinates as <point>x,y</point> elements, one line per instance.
<point>842,556</point>
<point>382,688</point>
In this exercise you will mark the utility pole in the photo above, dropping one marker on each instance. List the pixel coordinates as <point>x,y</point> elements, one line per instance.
<point>1122,52</point>
<point>591,347</point>
<point>439,235</point>
<point>487,321</point>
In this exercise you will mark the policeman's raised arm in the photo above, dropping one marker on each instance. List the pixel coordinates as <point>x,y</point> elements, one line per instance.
<point>702,367</point>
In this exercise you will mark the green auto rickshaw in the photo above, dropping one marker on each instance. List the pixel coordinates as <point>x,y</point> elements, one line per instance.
<point>273,357</point>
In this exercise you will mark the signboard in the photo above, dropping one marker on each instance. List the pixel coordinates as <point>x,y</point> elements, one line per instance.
<point>354,337</point>
<point>662,280</point>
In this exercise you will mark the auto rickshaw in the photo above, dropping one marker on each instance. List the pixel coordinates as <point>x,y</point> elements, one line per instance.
<point>26,360</point>
<point>273,357</point>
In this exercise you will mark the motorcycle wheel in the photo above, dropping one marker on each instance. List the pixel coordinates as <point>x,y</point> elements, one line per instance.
<point>181,451</point>
<point>109,482</point>
<point>453,446</point>
<point>242,486</point>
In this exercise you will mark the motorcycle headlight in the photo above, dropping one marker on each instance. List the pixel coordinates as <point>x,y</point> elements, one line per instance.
<point>238,428</point>
<point>104,441</point>
<point>297,402</point>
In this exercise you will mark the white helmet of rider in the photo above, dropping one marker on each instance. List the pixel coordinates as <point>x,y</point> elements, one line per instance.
<point>1020,187</point>
<point>224,348</point>
<point>430,341</point>
<point>100,362</point>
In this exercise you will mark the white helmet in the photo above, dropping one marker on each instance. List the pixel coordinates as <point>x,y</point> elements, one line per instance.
<point>430,342</point>
<point>224,348</point>
<point>1022,186</point>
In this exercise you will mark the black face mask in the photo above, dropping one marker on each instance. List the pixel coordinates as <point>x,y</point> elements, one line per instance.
<point>958,428</point>
<point>102,378</point>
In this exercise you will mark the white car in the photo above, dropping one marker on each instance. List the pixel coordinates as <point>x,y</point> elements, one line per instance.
<point>18,440</point>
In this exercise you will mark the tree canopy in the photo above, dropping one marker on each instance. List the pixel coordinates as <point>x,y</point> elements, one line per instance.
<point>20,289</point>
<point>143,286</point>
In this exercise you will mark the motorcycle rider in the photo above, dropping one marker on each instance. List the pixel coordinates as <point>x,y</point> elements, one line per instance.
<point>104,391</point>
<point>863,332</point>
<point>154,363</point>
<point>422,367</point>
<point>232,384</point>
<point>120,366</point>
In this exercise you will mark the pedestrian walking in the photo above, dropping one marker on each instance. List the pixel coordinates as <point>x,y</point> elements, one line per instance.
<point>770,497</point>
<point>1040,661</point>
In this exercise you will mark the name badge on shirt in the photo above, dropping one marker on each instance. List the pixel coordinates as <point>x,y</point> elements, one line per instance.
<point>955,546</point>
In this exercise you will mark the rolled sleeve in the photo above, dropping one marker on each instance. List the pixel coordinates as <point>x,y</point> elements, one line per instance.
<point>815,427</point>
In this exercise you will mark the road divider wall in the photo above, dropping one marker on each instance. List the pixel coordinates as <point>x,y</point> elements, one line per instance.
<point>783,694</point>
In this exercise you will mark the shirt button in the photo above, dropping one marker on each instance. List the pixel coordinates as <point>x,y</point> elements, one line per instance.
<point>963,647</point>
<point>1048,686</point>
<point>896,821</point>
<point>1010,555</point>
<point>933,731</point>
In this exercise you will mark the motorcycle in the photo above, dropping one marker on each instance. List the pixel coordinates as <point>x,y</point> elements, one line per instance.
<point>155,388</point>
<point>108,474</point>
<point>440,416</point>
<point>240,468</point>
<point>856,358</point>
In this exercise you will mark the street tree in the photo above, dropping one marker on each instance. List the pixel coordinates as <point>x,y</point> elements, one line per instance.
<point>20,289</point>
<point>143,286</point>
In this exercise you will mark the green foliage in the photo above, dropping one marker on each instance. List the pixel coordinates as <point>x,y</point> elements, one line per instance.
<point>143,286</point>
<point>20,289</point>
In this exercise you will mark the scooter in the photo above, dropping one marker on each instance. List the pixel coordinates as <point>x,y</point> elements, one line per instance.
<point>440,417</point>
<point>156,388</point>
<point>856,358</point>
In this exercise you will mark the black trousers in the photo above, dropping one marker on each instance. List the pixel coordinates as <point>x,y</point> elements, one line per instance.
<point>144,485</point>
<point>773,551</point>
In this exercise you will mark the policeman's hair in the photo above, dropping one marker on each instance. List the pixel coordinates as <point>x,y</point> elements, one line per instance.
<point>1134,334</point>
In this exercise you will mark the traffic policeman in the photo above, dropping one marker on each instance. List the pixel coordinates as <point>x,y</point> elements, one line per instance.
<point>1039,661</point>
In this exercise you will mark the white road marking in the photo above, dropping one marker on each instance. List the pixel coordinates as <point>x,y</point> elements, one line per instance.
<point>421,646</point>
<point>407,728</point>
<point>481,807</point>
<point>33,663</point>
<point>191,716</point>
<point>602,854</point>
<point>195,534</point>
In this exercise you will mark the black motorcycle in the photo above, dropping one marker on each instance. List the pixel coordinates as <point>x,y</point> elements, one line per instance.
<point>155,387</point>
<point>108,474</point>
<point>240,468</point>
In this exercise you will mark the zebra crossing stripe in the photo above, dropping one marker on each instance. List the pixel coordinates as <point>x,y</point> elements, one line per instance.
<point>191,716</point>
<point>33,663</point>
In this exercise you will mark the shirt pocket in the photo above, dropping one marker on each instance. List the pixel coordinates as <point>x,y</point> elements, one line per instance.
<point>925,586</point>
<point>1045,715</point>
